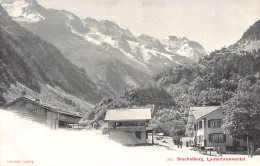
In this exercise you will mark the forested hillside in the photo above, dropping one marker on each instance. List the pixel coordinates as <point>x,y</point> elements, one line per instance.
<point>165,111</point>
<point>216,77</point>
<point>214,80</point>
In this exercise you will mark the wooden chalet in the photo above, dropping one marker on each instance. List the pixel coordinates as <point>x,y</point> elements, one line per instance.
<point>43,113</point>
<point>129,126</point>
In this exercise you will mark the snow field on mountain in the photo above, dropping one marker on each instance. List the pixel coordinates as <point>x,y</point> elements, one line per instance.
<point>16,10</point>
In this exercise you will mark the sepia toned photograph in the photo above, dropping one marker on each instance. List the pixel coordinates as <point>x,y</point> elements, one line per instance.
<point>129,82</point>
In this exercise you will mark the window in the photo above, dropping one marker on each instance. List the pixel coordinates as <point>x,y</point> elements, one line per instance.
<point>118,124</point>
<point>204,121</point>
<point>137,123</point>
<point>217,138</point>
<point>199,125</point>
<point>216,123</point>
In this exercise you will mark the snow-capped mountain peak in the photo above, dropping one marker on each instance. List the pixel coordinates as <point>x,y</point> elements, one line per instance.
<point>183,46</point>
<point>110,54</point>
<point>22,10</point>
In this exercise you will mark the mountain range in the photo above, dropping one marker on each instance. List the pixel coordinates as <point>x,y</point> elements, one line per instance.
<point>219,76</point>
<point>40,69</point>
<point>215,80</point>
<point>74,63</point>
<point>113,57</point>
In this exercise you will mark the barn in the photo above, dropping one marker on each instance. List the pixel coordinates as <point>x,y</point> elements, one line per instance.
<point>43,113</point>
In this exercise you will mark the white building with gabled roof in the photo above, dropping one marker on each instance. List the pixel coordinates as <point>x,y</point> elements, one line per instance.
<point>205,126</point>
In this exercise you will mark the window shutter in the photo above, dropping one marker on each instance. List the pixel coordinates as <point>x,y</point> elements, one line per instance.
<point>209,137</point>
<point>209,123</point>
<point>224,137</point>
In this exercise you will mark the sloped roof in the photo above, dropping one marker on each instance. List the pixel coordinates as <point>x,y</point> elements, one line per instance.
<point>128,114</point>
<point>47,106</point>
<point>199,112</point>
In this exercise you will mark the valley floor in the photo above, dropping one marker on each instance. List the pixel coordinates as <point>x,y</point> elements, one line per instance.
<point>25,143</point>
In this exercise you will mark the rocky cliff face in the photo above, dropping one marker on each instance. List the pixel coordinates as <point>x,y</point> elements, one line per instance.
<point>250,40</point>
<point>28,60</point>
<point>99,45</point>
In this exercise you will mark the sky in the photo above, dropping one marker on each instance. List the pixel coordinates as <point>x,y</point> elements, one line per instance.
<point>212,23</point>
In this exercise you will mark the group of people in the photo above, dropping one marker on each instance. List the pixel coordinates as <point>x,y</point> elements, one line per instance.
<point>179,144</point>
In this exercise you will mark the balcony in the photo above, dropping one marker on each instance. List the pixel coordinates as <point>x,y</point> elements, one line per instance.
<point>132,128</point>
<point>149,128</point>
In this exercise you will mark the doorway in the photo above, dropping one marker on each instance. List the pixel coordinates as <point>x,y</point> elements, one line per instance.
<point>138,134</point>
